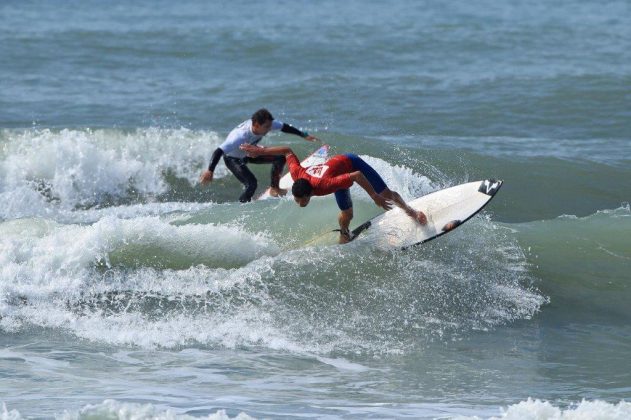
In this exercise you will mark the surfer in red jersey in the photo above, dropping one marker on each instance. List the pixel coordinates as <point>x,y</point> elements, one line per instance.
<point>336,176</point>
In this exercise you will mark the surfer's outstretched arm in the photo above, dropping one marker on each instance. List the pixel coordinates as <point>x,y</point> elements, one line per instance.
<point>207,175</point>
<point>289,129</point>
<point>254,151</point>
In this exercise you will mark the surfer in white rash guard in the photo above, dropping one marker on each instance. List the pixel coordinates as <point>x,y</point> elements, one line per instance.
<point>251,132</point>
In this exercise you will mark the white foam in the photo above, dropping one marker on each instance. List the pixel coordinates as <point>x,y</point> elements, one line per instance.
<point>101,282</point>
<point>42,171</point>
<point>212,307</point>
<point>77,271</point>
<point>40,259</point>
<point>171,210</point>
<point>230,328</point>
<point>342,364</point>
<point>535,409</point>
<point>401,179</point>
<point>126,411</point>
<point>531,409</point>
<point>9,415</point>
<point>623,211</point>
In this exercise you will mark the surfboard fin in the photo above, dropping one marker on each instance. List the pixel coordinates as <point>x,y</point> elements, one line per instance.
<point>351,235</point>
<point>355,232</point>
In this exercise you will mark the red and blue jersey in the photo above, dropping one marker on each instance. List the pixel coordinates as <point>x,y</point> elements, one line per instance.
<point>326,178</point>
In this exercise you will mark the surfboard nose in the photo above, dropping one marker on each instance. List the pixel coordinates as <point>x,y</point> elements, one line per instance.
<point>490,186</point>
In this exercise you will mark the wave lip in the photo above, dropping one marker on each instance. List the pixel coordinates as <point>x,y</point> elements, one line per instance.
<point>42,171</point>
<point>47,246</point>
<point>531,409</point>
<point>126,410</point>
<point>322,300</point>
<point>535,409</point>
<point>42,261</point>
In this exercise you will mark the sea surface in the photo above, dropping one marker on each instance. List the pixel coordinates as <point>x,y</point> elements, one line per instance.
<point>129,291</point>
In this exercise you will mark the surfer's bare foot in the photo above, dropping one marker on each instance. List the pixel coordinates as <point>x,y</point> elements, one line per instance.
<point>345,236</point>
<point>277,192</point>
<point>418,216</point>
<point>451,225</point>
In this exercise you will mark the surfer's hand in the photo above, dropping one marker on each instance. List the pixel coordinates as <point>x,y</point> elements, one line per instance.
<point>382,202</point>
<point>251,150</point>
<point>206,177</point>
<point>422,219</point>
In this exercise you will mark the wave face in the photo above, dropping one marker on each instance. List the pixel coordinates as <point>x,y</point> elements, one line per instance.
<point>49,173</point>
<point>107,238</point>
<point>584,259</point>
<point>112,259</point>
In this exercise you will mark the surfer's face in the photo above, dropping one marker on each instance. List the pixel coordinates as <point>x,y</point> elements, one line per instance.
<point>261,129</point>
<point>302,201</point>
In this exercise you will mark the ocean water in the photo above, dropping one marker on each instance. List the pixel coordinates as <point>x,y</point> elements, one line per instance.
<point>129,291</point>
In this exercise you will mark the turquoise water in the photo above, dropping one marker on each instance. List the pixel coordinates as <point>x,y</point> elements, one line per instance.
<point>126,289</point>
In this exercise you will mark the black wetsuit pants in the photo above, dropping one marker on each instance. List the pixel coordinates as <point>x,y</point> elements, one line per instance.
<point>240,169</point>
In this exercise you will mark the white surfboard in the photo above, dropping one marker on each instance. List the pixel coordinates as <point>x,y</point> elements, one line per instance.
<point>445,210</point>
<point>316,158</point>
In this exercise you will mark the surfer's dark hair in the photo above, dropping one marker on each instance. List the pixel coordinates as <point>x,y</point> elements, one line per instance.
<point>301,188</point>
<point>262,116</point>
